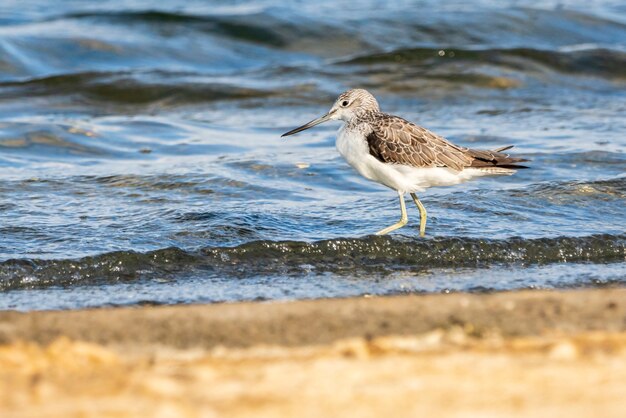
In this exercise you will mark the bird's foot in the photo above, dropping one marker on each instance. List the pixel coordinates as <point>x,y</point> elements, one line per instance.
<point>393,227</point>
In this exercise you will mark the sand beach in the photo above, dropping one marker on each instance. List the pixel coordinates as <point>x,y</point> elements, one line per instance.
<point>527,353</point>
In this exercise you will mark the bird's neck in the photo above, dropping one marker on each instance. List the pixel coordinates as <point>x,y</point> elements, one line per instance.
<point>361,118</point>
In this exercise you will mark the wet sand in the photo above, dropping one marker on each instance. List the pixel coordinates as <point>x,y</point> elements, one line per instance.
<point>532,353</point>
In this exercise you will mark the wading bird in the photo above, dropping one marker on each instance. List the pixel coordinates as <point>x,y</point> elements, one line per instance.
<point>403,156</point>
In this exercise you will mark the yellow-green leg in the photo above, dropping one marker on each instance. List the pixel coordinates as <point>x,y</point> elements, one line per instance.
<point>403,220</point>
<point>423,214</point>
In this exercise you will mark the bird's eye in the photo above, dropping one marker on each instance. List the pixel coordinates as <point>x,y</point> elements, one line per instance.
<point>344,103</point>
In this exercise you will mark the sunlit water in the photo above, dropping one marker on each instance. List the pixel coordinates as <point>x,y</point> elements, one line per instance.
<point>141,158</point>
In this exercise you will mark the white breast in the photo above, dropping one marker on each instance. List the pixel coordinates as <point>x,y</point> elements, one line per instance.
<point>353,146</point>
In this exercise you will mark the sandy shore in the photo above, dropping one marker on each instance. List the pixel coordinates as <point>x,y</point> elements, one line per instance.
<point>507,354</point>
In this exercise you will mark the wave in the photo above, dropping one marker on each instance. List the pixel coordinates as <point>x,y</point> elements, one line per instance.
<point>125,88</point>
<point>256,28</point>
<point>369,255</point>
<point>282,26</point>
<point>610,189</point>
<point>599,62</point>
<point>452,66</point>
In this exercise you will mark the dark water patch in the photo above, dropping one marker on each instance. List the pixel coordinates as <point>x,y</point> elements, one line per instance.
<point>51,141</point>
<point>586,62</point>
<point>608,162</point>
<point>598,158</point>
<point>151,183</point>
<point>106,268</point>
<point>271,28</point>
<point>391,254</point>
<point>252,28</point>
<point>585,192</point>
<point>130,90</point>
<point>157,185</point>
<point>211,186</point>
<point>372,255</point>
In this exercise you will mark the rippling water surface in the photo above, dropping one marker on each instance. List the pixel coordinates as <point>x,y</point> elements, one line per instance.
<point>141,158</point>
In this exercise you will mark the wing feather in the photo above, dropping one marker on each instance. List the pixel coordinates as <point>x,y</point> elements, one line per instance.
<point>397,141</point>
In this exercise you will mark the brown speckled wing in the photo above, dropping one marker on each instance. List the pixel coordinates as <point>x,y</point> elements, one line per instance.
<point>397,141</point>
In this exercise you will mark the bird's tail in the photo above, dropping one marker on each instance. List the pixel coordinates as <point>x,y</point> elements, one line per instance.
<point>496,159</point>
<point>504,148</point>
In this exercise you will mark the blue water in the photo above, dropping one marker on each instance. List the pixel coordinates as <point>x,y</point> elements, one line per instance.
<point>141,158</point>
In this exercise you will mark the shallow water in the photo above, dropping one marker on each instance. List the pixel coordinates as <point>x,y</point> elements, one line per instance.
<point>141,158</point>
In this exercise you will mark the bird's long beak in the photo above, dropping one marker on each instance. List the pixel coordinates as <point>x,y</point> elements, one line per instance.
<point>311,124</point>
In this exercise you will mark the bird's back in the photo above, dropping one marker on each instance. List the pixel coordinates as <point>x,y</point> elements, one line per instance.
<point>394,140</point>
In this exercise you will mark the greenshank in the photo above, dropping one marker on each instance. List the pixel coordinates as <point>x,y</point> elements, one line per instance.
<point>405,157</point>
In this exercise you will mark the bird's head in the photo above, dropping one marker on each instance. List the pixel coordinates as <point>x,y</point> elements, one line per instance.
<point>349,105</point>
